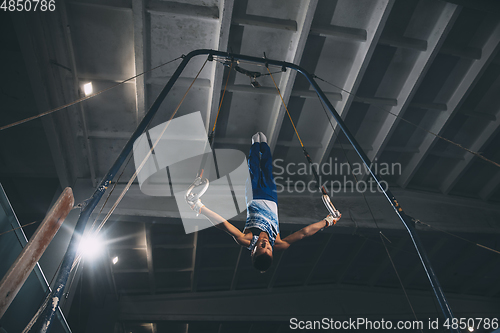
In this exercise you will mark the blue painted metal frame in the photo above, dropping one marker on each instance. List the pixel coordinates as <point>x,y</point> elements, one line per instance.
<point>91,203</point>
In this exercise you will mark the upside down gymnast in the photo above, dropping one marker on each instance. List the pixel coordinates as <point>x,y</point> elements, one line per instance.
<point>261,234</point>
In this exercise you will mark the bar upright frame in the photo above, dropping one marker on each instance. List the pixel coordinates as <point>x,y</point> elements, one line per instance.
<point>92,202</point>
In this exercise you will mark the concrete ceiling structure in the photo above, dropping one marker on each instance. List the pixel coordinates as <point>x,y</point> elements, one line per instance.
<point>403,74</point>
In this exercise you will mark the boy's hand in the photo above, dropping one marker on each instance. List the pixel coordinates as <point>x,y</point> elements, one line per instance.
<point>196,205</point>
<point>330,220</point>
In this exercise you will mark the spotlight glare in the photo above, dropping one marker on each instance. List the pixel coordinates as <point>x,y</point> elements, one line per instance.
<point>115,260</point>
<point>91,246</point>
<point>87,88</point>
<point>471,329</point>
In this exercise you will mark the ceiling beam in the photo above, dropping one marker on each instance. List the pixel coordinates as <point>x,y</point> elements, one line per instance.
<point>357,70</point>
<point>276,267</point>
<point>41,78</point>
<point>280,304</point>
<point>149,257</point>
<point>472,53</point>
<point>146,291</point>
<point>218,246</point>
<point>387,261</point>
<point>76,87</point>
<point>421,65</point>
<point>107,135</point>
<point>177,8</point>
<point>445,154</point>
<point>121,5</point>
<point>272,91</point>
<point>348,261</point>
<point>251,90</point>
<point>405,150</point>
<point>488,6</point>
<point>220,43</point>
<point>181,81</point>
<point>435,249</point>
<point>158,7</point>
<point>234,279</point>
<point>403,42</point>
<point>174,246</point>
<point>103,77</point>
<point>468,82</point>
<point>478,114</point>
<point>494,291</point>
<point>168,270</point>
<point>140,52</point>
<point>146,270</point>
<point>333,96</point>
<point>335,31</point>
<point>12,173</point>
<point>131,270</point>
<point>110,273</point>
<point>376,100</point>
<point>318,257</point>
<point>296,144</point>
<point>126,247</point>
<point>457,264</point>
<point>294,55</point>
<point>430,106</point>
<point>217,268</point>
<point>195,262</point>
<point>490,188</point>
<point>478,145</point>
<point>266,22</point>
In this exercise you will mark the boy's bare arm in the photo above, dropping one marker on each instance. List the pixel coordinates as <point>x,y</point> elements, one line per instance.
<point>222,224</point>
<point>305,232</point>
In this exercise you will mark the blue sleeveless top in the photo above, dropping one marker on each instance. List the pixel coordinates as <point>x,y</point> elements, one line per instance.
<point>260,216</point>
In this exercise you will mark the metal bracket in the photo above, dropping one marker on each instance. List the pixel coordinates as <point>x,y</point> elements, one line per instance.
<point>330,207</point>
<point>198,182</point>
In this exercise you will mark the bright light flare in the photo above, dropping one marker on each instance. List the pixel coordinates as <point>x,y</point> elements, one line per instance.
<point>115,260</point>
<point>91,246</point>
<point>87,88</point>
<point>471,329</point>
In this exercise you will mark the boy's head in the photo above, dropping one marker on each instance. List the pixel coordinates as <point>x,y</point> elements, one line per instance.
<point>262,254</point>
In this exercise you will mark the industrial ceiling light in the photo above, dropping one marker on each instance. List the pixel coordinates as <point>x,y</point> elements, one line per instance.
<point>87,88</point>
<point>91,246</point>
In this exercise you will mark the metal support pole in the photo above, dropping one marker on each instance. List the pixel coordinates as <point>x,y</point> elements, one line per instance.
<point>92,202</point>
<point>14,279</point>
<point>408,223</point>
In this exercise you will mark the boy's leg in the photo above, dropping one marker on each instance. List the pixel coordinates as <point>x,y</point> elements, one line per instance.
<point>254,170</point>
<point>267,178</point>
<point>260,165</point>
